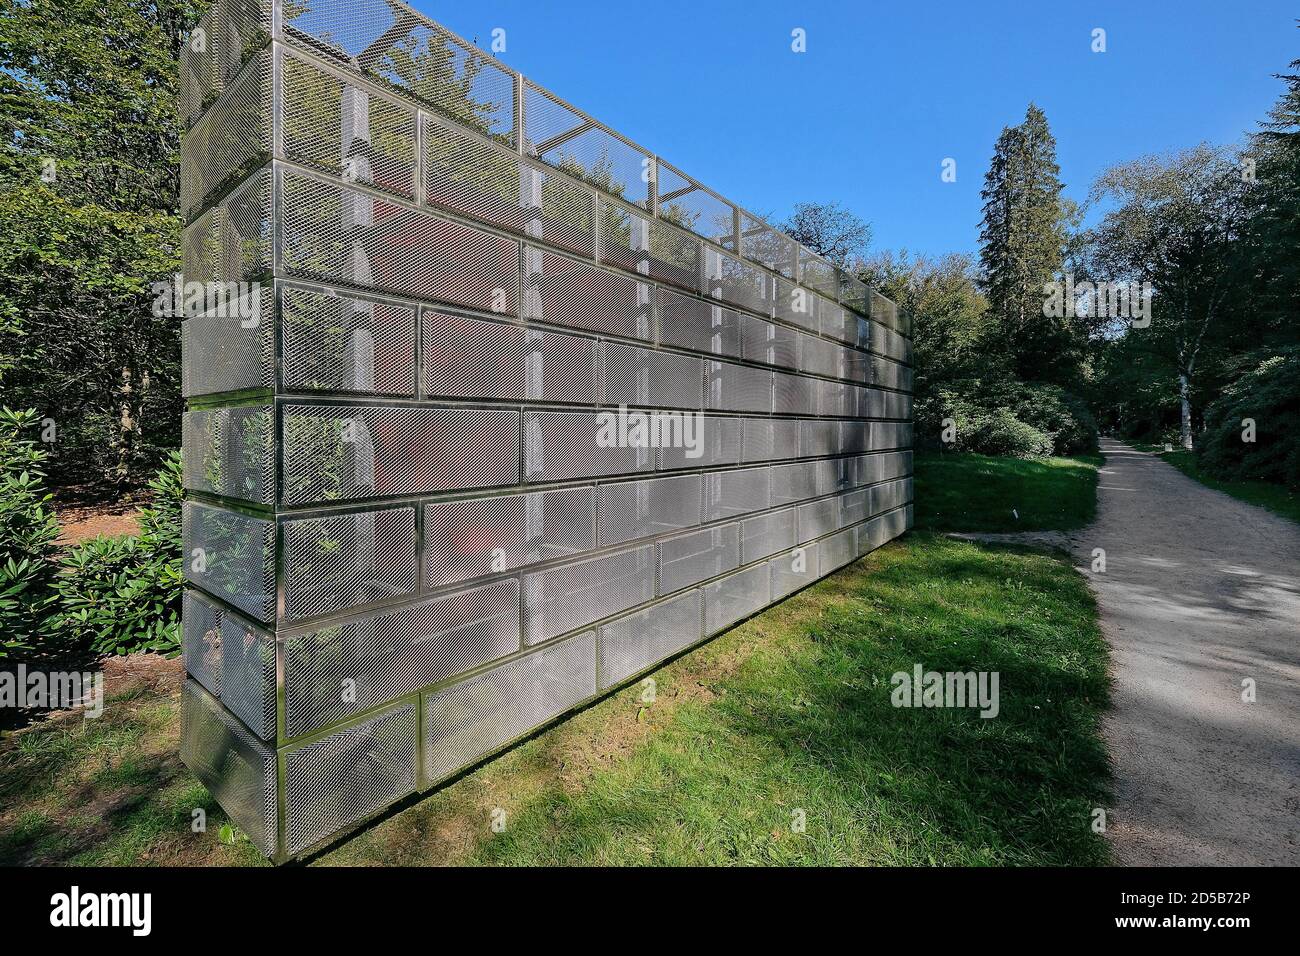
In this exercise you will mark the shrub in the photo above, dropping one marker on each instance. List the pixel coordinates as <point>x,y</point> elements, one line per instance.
<point>1061,415</point>
<point>1270,395</point>
<point>977,428</point>
<point>28,529</point>
<point>999,432</point>
<point>122,595</point>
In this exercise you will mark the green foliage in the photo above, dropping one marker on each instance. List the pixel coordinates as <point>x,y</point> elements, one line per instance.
<point>1269,395</point>
<point>1022,247</point>
<point>1061,415</point>
<point>997,431</point>
<point>28,530</point>
<point>89,134</point>
<point>122,595</point>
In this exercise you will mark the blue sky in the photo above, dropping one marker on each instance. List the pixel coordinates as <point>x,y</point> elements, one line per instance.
<point>887,91</point>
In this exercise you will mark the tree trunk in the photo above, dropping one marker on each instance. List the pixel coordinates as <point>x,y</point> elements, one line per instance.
<point>1185,415</point>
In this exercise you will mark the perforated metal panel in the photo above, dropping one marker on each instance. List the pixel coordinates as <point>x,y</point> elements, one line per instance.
<point>560,446</point>
<point>568,292</point>
<point>794,304</point>
<point>818,438</point>
<point>837,550</point>
<point>796,394</point>
<point>837,399</point>
<point>766,439</point>
<point>231,241</point>
<point>766,535</point>
<point>696,324</point>
<point>684,202</point>
<point>201,641</point>
<point>818,274</point>
<point>347,668</point>
<point>890,435</point>
<point>688,559</point>
<point>634,241</point>
<point>480,536</point>
<point>714,441</point>
<point>335,125</point>
<point>735,597</point>
<point>232,137</point>
<point>471,358</point>
<point>469,720</point>
<point>881,466</point>
<point>817,518</point>
<point>393,44</point>
<point>737,282</point>
<point>832,474</point>
<point>769,343</point>
<point>248,674</point>
<point>793,482</point>
<point>562,137</point>
<point>637,376</point>
<point>235,767</point>
<point>574,595</point>
<point>231,347</point>
<point>889,374</point>
<point>890,494</point>
<point>794,570</point>
<point>855,437</point>
<point>639,509</point>
<point>874,533</point>
<point>853,507</point>
<point>223,41</point>
<point>761,243</point>
<point>820,357</point>
<point>734,494</point>
<point>738,388</point>
<point>477,178</point>
<point>232,659</point>
<point>347,560</point>
<point>346,343</point>
<point>641,640</point>
<point>341,779</point>
<point>338,452</point>
<point>855,294</point>
<point>337,234</point>
<point>231,556</point>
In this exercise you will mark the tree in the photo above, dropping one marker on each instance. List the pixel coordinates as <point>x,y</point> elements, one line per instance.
<point>948,314</point>
<point>829,230</point>
<point>1271,241</point>
<point>1174,224</point>
<point>89,133</point>
<point>1022,246</point>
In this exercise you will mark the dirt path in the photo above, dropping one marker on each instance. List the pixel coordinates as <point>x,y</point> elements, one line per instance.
<point>1200,592</point>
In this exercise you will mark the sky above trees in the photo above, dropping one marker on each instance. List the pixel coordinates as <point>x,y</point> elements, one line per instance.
<point>886,92</point>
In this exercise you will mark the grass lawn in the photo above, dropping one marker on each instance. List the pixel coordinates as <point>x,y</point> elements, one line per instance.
<point>963,492</point>
<point>1265,494</point>
<point>788,712</point>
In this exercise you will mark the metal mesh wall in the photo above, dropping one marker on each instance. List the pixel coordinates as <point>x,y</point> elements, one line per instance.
<point>510,410</point>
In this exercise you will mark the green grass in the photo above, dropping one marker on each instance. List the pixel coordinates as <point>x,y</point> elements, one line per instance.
<point>1275,498</point>
<point>963,492</point>
<point>790,711</point>
<point>107,791</point>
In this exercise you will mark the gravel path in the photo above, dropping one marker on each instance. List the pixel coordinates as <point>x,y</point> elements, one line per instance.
<point>1200,592</point>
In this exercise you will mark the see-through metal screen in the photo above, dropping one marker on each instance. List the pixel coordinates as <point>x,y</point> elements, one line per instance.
<point>490,410</point>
